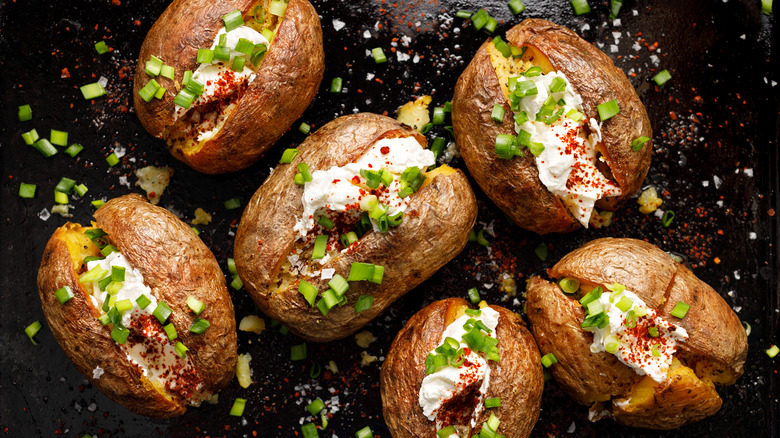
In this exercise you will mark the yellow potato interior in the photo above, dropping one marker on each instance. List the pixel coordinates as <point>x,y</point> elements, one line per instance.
<point>79,245</point>
<point>506,67</point>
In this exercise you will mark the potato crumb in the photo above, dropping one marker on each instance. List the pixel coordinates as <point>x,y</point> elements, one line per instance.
<point>213,400</point>
<point>332,367</point>
<point>602,219</point>
<point>508,285</point>
<point>243,372</point>
<point>61,209</point>
<point>483,304</point>
<point>649,201</point>
<point>201,217</point>
<point>153,180</point>
<point>252,323</point>
<point>364,338</point>
<point>366,358</point>
<point>415,114</point>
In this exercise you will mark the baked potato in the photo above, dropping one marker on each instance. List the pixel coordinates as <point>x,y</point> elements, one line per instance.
<point>139,304</point>
<point>651,364</point>
<point>529,122</point>
<point>241,94</point>
<point>419,396</point>
<point>296,242</point>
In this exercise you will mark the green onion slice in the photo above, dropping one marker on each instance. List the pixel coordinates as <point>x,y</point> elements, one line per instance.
<point>607,110</point>
<point>637,144</point>
<point>237,409</point>
<point>379,55</point>
<point>516,6</point>
<point>364,303</point>
<point>199,326</point>
<point>316,406</point>
<point>320,246</point>
<point>549,359</point>
<point>162,312</point>
<point>569,285</point>
<point>667,218</point>
<point>298,352</point>
<point>31,330</point>
<point>680,310</point>
<point>24,113</point>
<point>196,305</point>
<point>309,430</point>
<point>662,77</point>
<point>233,20</point>
<point>580,7</point>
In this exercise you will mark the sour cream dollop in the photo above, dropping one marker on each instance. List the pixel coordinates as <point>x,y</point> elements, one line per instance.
<point>219,79</point>
<point>636,346</point>
<point>567,165</point>
<point>439,387</point>
<point>340,189</point>
<point>148,346</point>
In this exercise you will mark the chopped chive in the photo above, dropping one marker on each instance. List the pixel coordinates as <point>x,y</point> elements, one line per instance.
<point>143,301</point>
<point>569,285</point>
<point>481,239</point>
<point>580,7</point>
<point>493,402</point>
<point>771,351</point>
<point>232,204</point>
<point>205,56</point>
<point>303,169</point>
<point>245,46</point>
<point>97,203</point>
<point>379,55</point>
<point>667,218</point>
<point>233,20</point>
<point>473,295</point>
<point>439,116</point>
<point>61,198</point>
<point>335,85</point>
<point>170,330</point>
<point>199,326</point>
<point>195,304</point>
<point>117,273</point>
<point>238,63</point>
<point>516,6</point>
<point>326,222</point>
<point>167,71</point>
<point>662,77</point>
<point>498,113</point>
<point>437,146</point>
<point>184,98</point>
<point>320,247</point>
<point>680,310</point>
<point>112,159</point>
<point>45,147</point>
<point>309,430</point>
<point>153,66</point>
<point>364,302</point>
<point>91,91</point>
<point>614,8</point>
<point>231,264</point>
<point>236,284</point>
<point>24,113</point>
<point>464,14</point>
<point>149,90</point>
<point>637,144</point>
<point>74,149</point>
<point>181,349</point>
<point>65,185</point>
<point>288,155</point>
<point>379,272</point>
<point>308,291</point>
<point>101,47</point>
<point>339,285</point>
<point>549,359</point>
<point>766,9</point>
<point>364,433</point>
<point>491,24</point>
<point>30,137</point>
<point>480,19</point>
<point>316,406</point>
<point>298,352</point>
<point>607,110</point>
<point>27,191</point>
<point>162,312</point>
<point>360,271</point>
<point>304,128</point>
<point>64,294</point>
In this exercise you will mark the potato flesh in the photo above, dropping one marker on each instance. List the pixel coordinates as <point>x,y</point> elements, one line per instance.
<point>178,135</point>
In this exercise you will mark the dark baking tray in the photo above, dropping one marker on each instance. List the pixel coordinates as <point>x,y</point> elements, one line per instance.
<point>715,134</point>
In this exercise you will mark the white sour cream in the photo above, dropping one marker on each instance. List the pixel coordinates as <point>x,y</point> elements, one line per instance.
<point>636,344</point>
<point>340,189</point>
<point>132,288</point>
<point>148,346</point>
<point>219,79</point>
<point>567,165</point>
<point>447,382</point>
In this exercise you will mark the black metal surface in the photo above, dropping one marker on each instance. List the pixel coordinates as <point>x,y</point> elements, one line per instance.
<point>715,126</point>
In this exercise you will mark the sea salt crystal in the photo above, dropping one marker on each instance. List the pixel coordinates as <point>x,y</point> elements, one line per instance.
<point>752,235</point>
<point>749,172</point>
<point>366,34</point>
<point>327,273</point>
<point>44,215</point>
<point>717,181</point>
<point>338,24</point>
<point>613,48</point>
<point>705,183</point>
<point>97,372</point>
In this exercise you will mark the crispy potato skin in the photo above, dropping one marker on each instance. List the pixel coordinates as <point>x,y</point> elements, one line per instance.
<point>435,229</point>
<point>514,184</point>
<point>714,331</point>
<point>517,378</point>
<point>286,82</point>
<point>175,264</point>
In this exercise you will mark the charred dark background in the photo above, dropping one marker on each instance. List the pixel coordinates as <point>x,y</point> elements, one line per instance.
<point>715,164</point>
